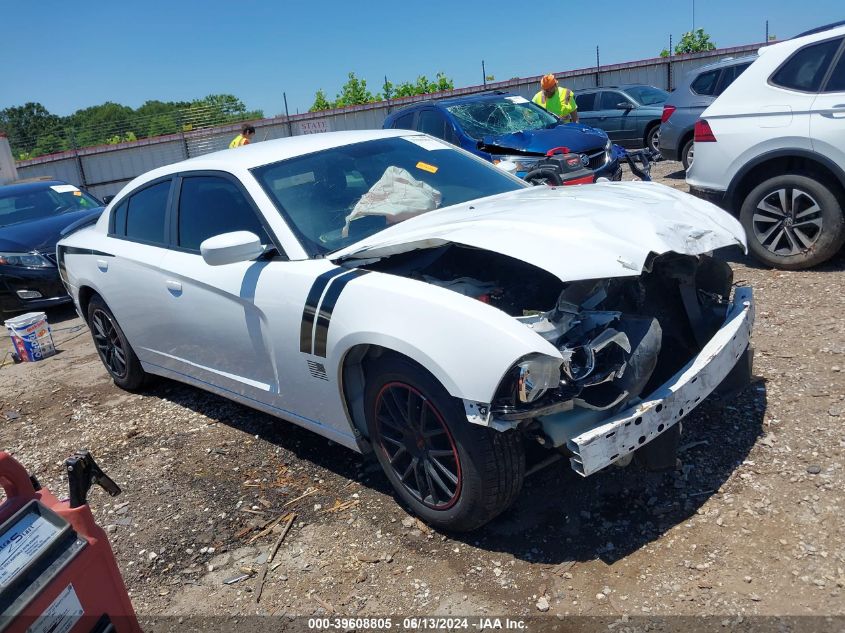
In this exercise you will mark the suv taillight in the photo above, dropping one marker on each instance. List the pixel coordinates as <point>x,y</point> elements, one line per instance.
<point>667,112</point>
<point>703,133</point>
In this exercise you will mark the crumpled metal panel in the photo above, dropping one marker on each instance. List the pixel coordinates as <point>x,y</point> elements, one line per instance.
<point>638,425</point>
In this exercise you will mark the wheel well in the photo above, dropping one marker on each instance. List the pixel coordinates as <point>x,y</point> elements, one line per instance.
<point>686,138</point>
<point>85,294</point>
<point>353,378</point>
<point>780,166</point>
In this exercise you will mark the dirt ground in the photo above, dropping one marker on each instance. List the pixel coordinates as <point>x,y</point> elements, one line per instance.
<point>751,522</point>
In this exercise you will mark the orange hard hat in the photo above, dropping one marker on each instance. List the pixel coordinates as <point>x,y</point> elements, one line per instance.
<point>548,81</point>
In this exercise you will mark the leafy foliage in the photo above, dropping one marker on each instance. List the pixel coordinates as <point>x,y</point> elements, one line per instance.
<point>355,92</point>
<point>34,131</point>
<point>695,41</point>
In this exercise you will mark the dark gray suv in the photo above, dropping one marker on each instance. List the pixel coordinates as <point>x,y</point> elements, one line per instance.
<point>629,114</point>
<point>699,89</point>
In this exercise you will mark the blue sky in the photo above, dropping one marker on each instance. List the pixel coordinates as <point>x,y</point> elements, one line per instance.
<point>69,55</point>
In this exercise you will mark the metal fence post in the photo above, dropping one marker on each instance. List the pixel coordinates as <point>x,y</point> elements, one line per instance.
<point>287,114</point>
<point>181,123</point>
<point>598,68</point>
<point>79,165</point>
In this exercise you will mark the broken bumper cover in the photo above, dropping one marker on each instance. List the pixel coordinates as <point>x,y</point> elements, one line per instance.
<point>636,426</point>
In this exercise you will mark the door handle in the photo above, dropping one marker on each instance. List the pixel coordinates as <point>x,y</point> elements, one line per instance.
<point>103,264</point>
<point>173,286</point>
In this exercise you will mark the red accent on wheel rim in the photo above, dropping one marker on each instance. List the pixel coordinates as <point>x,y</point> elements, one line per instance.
<point>418,445</point>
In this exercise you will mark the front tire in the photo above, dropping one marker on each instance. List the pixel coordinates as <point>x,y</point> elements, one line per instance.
<point>113,348</point>
<point>792,222</point>
<point>452,474</point>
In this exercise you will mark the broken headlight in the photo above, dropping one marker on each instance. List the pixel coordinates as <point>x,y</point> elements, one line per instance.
<point>532,377</point>
<point>523,163</point>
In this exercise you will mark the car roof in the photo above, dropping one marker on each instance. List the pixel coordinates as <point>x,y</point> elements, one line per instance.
<point>493,95</point>
<point>722,63</point>
<point>820,29</point>
<point>267,152</point>
<point>28,186</point>
<point>617,87</point>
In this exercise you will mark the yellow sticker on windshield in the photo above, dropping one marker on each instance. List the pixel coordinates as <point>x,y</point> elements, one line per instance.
<point>77,193</point>
<point>426,167</point>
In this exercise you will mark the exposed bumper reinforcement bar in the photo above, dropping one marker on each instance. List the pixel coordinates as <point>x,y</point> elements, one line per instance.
<point>640,424</point>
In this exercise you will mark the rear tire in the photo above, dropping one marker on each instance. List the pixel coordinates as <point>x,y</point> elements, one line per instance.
<point>652,138</point>
<point>792,222</point>
<point>113,348</point>
<point>688,154</point>
<point>452,474</point>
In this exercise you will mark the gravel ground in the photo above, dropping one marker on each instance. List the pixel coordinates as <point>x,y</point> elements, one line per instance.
<point>749,523</point>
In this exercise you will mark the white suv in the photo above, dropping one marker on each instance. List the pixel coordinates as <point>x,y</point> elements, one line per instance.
<point>771,149</point>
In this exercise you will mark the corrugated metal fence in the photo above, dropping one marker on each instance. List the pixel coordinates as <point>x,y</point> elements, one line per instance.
<point>105,169</point>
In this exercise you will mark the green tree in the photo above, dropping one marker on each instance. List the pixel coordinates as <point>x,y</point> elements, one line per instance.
<point>695,41</point>
<point>354,92</point>
<point>320,102</point>
<point>25,124</point>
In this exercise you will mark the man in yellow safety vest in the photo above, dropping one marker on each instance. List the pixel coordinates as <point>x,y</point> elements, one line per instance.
<point>247,132</point>
<point>557,100</point>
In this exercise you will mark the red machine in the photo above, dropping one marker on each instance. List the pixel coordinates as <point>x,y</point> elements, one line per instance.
<point>57,570</point>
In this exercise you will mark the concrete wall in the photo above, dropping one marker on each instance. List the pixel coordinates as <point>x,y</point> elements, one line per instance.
<point>104,170</point>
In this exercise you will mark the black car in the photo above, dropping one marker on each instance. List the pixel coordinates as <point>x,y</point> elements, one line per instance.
<point>32,218</point>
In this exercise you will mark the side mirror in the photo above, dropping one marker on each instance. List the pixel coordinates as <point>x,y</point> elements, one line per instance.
<point>229,248</point>
<point>107,199</point>
<point>625,105</point>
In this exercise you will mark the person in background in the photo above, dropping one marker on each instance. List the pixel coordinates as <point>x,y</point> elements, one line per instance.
<point>247,132</point>
<point>557,100</point>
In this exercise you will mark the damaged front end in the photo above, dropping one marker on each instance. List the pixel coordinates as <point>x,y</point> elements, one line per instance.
<point>636,353</point>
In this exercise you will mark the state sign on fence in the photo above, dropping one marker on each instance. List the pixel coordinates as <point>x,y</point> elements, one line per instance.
<point>314,126</point>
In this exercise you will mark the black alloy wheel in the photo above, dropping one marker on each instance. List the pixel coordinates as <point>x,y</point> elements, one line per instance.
<point>418,446</point>
<point>108,343</point>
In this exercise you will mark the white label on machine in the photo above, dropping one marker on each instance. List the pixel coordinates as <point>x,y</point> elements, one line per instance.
<point>63,188</point>
<point>517,99</point>
<point>426,143</point>
<point>22,543</point>
<point>61,615</point>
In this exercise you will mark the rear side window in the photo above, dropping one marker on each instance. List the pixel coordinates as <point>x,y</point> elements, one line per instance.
<point>209,206</point>
<point>705,83</point>
<point>729,74</point>
<point>806,68</point>
<point>145,214</point>
<point>836,83</point>
<point>586,102</point>
<point>404,122</point>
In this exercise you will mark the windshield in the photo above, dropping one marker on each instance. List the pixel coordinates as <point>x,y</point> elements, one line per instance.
<point>646,95</point>
<point>336,197</point>
<point>28,204</point>
<point>509,115</point>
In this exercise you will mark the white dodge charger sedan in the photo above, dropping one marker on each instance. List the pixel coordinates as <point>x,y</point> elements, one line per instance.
<point>398,295</point>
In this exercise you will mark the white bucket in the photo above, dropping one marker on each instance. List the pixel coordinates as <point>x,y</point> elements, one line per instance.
<point>31,336</point>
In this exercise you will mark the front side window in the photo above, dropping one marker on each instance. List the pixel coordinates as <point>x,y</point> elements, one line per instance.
<point>610,100</point>
<point>211,205</point>
<point>336,197</point>
<point>432,122</point>
<point>705,83</point>
<point>145,213</point>
<point>492,117</point>
<point>806,68</point>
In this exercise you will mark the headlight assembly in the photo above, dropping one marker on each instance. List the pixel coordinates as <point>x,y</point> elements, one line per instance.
<point>523,163</point>
<point>25,260</point>
<point>533,376</point>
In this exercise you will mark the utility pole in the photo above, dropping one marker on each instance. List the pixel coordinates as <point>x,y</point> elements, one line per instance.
<point>767,31</point>
<point>598,68</point>
<point>287,114</point>
<point>483,73</point>
<point>693,15</point>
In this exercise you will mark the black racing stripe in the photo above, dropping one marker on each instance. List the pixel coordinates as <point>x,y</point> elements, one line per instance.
<point>62,250</point>
<point>310,310</point>
<point>327,307</point>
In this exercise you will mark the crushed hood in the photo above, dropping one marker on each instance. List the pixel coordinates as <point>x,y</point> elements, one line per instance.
<point>577,137</point>
<point>587,232</point>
